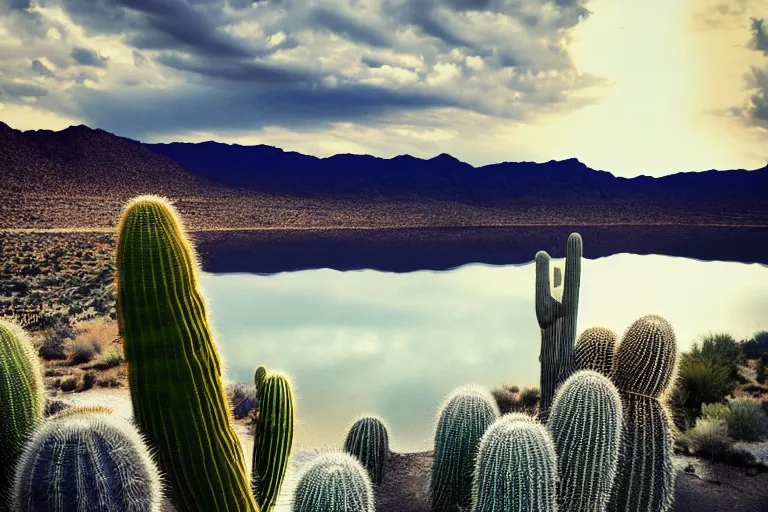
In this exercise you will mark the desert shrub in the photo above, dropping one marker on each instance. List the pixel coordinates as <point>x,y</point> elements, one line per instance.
<point>82,352</point>
<point>756,346</point>
<point>715,411</point>
<point>69,383</point>
<point>53,406</point>
<point>109,359</point>
<point>89,379</point>
<point>99,332</point>
<point>506,399</point>
<point>719,349</point>
<point>762,366</point>
<point>702,381</point>
<point>747,421</point>
<point>709,436</point>
<point>53,340</point>
<point>529,397</point>
<point>242,399</point>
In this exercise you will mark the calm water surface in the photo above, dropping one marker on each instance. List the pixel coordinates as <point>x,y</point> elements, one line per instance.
<point>395,344</point>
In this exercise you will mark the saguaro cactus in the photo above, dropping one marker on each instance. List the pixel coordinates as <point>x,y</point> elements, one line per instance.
<point>86,460</point>
<point>22,399</point>
<point>557,320</point>
<point>463,419</point>
<point>334,482</point>
<point>646,362</point>
<point>596,350</point>
<point>273,439</point>
<point>585,421</point>
<point>368,440</point>
<point>516,467</point>
<point>174,370</point>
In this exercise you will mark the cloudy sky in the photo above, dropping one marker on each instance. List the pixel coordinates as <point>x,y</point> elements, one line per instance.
<point>651,87</point>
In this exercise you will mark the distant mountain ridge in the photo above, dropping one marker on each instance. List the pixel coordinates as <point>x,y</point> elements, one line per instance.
<point>270,169</point>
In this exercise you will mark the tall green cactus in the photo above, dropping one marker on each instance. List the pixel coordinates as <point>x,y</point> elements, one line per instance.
<point>585,421</point>
<point>516,467</point>
<point>596,350</point>
<point>273,439</point>
<point>646,362</point>
<point>86,459</point>
<point>334,482</point>
<point>22,399</point>
<point>174,370</point>
<point>556,312</point>
<point>463,419</point>
<point>368,440</point>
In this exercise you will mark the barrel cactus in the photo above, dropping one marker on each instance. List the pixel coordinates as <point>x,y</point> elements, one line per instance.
<point>368,440</point>
<point>86,460</point>
<point>556,311</point>
<point>596,350</point>
<point>516,467</point>
<point>463,419</point>
<point>22,399</point>
<point>334,482</point>
<point>585,421</point>
<point>646,363</point>
<point>174,370</point>
<point>273,438</point>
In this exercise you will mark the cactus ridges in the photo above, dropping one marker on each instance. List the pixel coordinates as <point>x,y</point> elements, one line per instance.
<point>596,350</point>
<point>259,375</point>
<point>334,482</point>
<point>556,312</point>
<point>174,370</point>
<point>464,417</point>
<point>516,467</point>
<point>646,361</point>
<point>273,439</point>
<point>647,356</point>
<point>368,440</point>
<point>87,461</point>
<point>585,421</point>
<point>22,400</point>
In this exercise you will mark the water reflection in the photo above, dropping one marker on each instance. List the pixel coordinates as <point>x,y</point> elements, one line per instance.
<point>395,344</point>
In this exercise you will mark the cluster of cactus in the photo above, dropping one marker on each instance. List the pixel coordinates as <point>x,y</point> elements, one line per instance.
<point>368,440</point>
<point>334,482</point>
<point>464,417</point>
<point>86,459</point>
<point>273,438</point>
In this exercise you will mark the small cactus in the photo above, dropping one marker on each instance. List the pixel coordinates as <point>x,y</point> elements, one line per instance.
<point>645,367</point>
<point>516,467</point>
<point>273,438</point>
<point>86,460</point>
<point>585,421</point>
<point>368,440</point>
<point>556,311</point>
<point>596,350</point>
<point>334,482</point>
<point>22,400</point>
<point>463,419</point>
<point>259,375</point>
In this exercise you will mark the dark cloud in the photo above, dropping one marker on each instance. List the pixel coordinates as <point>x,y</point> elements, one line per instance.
<point>88,57</point>
<point>759,35</point>
<point>253,72</point>
<point>20,5</point>
<point>350,28</point>
<point>41,69</point>
<point>13,92</point>
<point>757,110</point>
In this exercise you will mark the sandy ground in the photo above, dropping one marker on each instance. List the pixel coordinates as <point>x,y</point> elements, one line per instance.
<point>701,485</point>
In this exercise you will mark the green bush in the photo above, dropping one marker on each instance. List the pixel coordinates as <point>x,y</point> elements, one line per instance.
<point>762,366</point>
<point>715,411</point>
<point>702,381</point>
<point>719,349</point>
<point>747,421</point>
<point>756,346</point>
<point>709,436</point>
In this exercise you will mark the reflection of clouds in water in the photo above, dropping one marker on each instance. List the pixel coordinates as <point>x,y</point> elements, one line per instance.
<point>395,344</point>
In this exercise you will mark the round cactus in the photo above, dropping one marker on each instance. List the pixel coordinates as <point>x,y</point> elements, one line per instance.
<point>22,399</point>
<point>368,440</point>
<point>334,482</point>
<point>86,460</point>
<point>516,467</point>
<point>596,350</point>
<point>645,367</point>
<point>463,419</point>
<point>585,421</point>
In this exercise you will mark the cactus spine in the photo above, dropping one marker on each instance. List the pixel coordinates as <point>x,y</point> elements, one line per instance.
<point>557,320</point>
<point>645,367</point>
<point>368,440</point>
<point>585,421</point>
<point>86,460</point>
<point>273,439</point>
<point>334,482</point>
<point>596,350</point>
<point>22,400</point>
<point>516,467</point>
<point>464,417</point>
<point>174,368</point>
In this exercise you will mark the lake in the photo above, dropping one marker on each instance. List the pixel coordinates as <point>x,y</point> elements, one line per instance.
<point>394,344</point>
